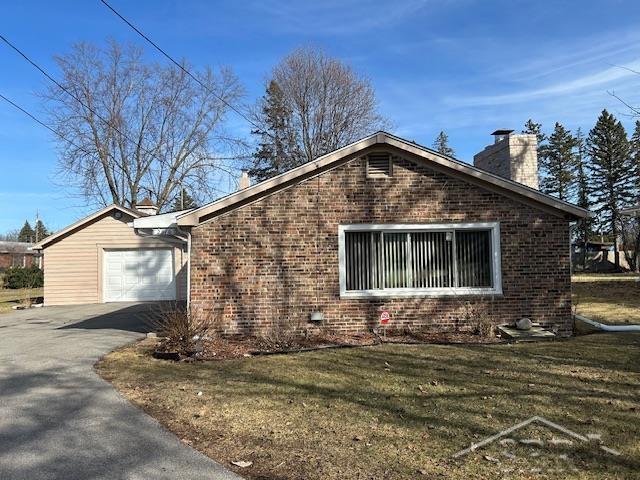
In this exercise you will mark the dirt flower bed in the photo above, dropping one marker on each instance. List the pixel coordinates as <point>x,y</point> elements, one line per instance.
<point>225,347</point>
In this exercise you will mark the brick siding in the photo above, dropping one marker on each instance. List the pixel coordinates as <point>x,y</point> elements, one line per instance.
<point>263,263</point>
<point>8,259</point>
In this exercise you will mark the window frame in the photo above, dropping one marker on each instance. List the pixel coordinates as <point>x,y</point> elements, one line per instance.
<point>493,227</point>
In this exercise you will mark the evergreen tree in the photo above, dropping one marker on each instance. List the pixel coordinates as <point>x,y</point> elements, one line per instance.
<point>534,128</point>
<point>441,144</point>
<point>584,227</point>
<point>278,149</point>
<point>558,164</point>
<point>26,233</point>
<point>635,155</point>
<point>611,174</point>
<point>40,231</point>
<point>631,224</point>
<point>183,201</point>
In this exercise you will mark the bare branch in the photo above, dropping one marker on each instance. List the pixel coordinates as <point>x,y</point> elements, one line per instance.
<point>146,125</point>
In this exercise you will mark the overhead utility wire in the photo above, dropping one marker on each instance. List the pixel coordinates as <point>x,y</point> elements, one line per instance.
<point>54,131</point>
<point>84,104</point>
<point>181,67</point>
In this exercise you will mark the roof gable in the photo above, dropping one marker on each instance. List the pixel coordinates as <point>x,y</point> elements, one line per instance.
<point>436,160</point>
<point>82,222</point>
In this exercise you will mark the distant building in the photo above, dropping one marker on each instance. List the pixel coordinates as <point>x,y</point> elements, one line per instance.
<point>13,254</point>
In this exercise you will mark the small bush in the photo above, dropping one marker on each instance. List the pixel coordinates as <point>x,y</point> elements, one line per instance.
<point>23,277</point>
<point>477,316</point>
<point>183,330</point>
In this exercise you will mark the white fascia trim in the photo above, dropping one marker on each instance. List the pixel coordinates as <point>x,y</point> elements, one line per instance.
<point>163,220</point>
<point>421,292</point>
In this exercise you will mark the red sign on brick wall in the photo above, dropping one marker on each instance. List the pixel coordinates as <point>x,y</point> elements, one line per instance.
<point>385,317</point>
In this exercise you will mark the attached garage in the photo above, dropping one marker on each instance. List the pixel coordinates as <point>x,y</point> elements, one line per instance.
<point>103,258</point>
<point>139,274</point>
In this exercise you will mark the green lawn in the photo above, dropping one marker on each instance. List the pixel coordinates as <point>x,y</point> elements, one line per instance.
<point>609,298</point>
<point>399,412</point>
<point>10,297</point>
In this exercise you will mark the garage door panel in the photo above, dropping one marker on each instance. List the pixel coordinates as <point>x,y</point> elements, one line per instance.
<point>139,275</point>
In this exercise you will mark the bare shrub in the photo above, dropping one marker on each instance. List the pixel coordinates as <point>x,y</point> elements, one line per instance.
<point>476,315</point>
<point>282,334</point>
<point>184,330</point>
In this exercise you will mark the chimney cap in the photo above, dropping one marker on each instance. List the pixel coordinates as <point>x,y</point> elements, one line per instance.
<point>145,203</point>
<point>502,132</point>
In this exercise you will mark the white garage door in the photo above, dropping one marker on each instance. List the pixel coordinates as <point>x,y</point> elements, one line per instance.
<point>139,275</point>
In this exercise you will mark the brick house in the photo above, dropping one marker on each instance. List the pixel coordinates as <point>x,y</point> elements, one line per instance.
<point>385,224</point>
<point>381,224</point>
<point>19,254</point>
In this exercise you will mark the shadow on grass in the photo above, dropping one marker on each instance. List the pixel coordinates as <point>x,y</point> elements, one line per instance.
<point>456,393</point>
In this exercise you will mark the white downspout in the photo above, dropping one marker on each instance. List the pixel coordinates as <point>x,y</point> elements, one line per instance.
<point>188,270</point>
<point>188,233</point>
<point>608,328</point>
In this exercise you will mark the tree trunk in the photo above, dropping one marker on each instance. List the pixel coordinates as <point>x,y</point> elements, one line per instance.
<point>616,253</point>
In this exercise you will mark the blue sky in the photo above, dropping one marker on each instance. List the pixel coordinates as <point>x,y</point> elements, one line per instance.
<point>466,67</point>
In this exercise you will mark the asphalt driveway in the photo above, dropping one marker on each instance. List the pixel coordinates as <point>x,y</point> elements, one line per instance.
<point>58,419</point>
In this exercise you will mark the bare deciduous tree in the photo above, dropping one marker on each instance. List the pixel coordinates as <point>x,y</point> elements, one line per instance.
<point>138,129</point>
<point>331,105</point>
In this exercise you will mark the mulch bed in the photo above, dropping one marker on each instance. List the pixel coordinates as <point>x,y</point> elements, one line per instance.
<point>236,346</point>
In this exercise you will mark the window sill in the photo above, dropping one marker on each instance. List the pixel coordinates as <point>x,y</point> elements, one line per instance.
<point>411,293</point>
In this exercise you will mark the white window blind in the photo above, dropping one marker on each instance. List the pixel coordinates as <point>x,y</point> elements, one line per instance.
<point>378,260</point>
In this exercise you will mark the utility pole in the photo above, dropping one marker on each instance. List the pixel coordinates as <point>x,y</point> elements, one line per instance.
<point>36,225</point>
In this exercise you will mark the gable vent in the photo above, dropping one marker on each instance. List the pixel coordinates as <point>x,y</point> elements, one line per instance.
<point>379,165</point>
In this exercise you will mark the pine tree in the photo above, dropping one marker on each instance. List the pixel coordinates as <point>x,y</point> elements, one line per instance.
<point>278,150</point>
<point>611,174</point>
<point>558,164</point>
<point>635,155</point>
<point>584,227</point>
<point>534,128</point>
<point>441,144</point>
<point>183,201</point>
<point>26,233</point>
<point>40,231</point>
<point>631,224</point>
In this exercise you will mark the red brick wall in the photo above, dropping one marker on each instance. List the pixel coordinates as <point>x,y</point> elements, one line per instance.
<point>258,264</point>
<point>10,259</point>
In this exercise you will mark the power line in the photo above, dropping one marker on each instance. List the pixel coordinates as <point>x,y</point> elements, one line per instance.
<point>60,135</point>
<point>37,120</point>
<point>80,101</point>
<point>181,67</point>
<point>51,129</point>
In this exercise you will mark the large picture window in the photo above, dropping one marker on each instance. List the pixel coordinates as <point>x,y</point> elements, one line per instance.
<point>444,259</point>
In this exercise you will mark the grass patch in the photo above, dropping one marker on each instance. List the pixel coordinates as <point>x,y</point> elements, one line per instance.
<point>613,299</point>
<point>396,411</point>
<point>10,297</point>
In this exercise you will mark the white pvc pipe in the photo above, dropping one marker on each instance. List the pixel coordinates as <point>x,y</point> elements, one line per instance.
<point>608,328</point>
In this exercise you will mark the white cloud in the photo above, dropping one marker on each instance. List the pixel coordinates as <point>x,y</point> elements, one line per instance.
<point>337,17</point>
<point>605,79</point>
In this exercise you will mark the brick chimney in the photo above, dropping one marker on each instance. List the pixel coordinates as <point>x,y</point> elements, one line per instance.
<point>245,181</point>
<point>146,206</point>
<point>513,156</point>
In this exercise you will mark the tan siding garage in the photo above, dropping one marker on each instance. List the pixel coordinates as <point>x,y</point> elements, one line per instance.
<point>75,261</point>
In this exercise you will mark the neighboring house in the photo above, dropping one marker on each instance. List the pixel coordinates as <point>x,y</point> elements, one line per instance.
<point>103,258</point>
<point>381,224</point>
<point>18,254</point>
<point>592,246</point>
